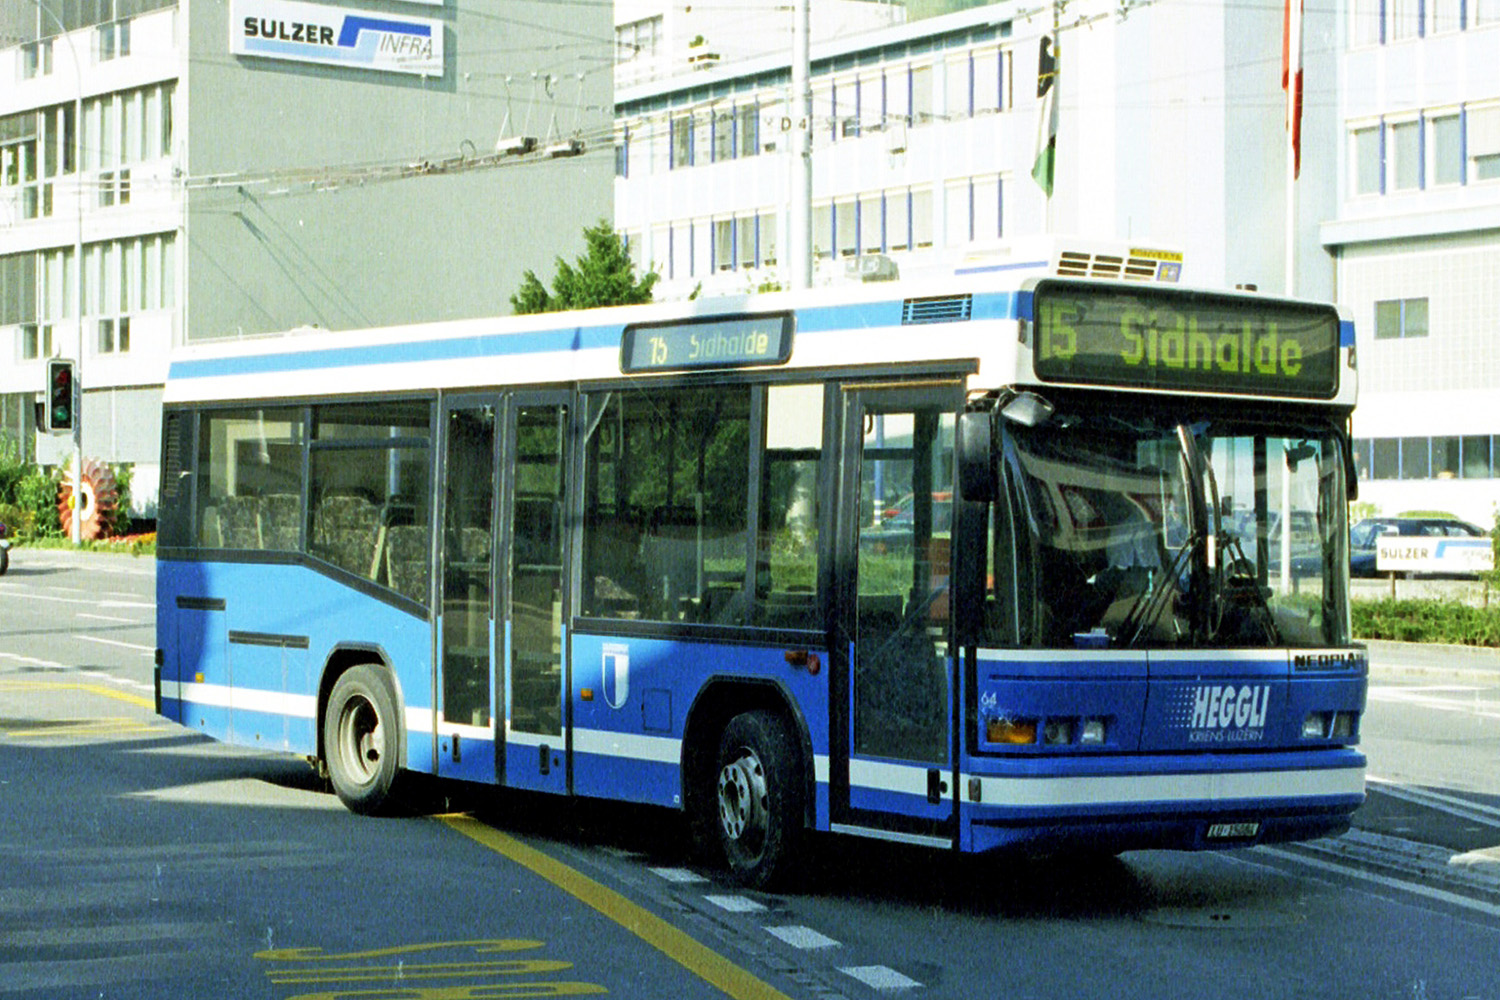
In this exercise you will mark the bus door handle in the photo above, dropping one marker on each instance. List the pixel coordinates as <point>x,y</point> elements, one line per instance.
<point>936,786</point>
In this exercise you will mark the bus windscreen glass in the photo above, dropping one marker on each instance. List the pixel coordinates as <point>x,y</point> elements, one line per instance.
<point>712,342</point>
<point>1184,341</point>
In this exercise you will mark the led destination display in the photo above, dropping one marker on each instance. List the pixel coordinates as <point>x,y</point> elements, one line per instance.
<point>718,342</point>
<point>1159,339</point>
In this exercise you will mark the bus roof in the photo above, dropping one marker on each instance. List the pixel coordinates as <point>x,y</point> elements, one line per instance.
<point>969,320</point>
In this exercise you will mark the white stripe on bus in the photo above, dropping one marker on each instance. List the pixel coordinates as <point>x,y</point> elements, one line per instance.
<point>1140,789</point>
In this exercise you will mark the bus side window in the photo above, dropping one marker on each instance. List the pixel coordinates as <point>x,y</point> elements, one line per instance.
<point>786,576</point>
<point>666,504</point>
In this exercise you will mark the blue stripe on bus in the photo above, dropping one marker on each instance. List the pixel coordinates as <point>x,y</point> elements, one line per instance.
<point>825,319</point>
<point>483,346</point>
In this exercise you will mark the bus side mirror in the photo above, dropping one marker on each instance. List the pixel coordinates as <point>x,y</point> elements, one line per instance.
<point>975,438</point>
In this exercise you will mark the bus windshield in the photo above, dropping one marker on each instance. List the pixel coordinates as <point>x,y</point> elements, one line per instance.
<point>1144,531</point>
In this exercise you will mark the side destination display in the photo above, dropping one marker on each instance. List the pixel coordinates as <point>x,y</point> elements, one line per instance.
<point>1196,341</point>
<point>713,342</point>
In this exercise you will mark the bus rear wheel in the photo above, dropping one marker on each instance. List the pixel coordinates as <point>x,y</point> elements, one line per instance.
<point>758,795</point>
<point>362,740</point>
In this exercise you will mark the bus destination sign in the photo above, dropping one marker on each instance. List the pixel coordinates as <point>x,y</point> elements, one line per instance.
<point>1187,341</point>
<point>712,342</point>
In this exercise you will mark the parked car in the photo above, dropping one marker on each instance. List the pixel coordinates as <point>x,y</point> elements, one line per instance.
<point>1364,536</point>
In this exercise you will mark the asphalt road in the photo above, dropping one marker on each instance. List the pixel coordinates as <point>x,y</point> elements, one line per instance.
<point>138,859</point>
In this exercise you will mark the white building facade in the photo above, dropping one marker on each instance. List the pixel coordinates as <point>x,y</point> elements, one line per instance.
<point>231,168</point>
<point>1416,237</point>
<point>925,131</point>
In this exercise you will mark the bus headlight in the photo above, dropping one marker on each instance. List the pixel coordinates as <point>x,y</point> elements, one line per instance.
<point>1343,725</point>
<point>1015,732</point>
<point>1092,733</point>
<point>1315,726</point>
<point>1057,732</point>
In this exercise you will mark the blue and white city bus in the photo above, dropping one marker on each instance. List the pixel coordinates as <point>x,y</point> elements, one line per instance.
<point>990,562</point>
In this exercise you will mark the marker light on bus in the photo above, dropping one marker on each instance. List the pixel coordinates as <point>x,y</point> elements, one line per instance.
<point>1343,725</point>
<point>1315,726</point>
<point>1057,731</point>
<point>1015,732</point>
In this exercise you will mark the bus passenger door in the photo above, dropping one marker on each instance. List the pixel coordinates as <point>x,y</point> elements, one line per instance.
<point>895,678</point>
<point>534,604</point>
<point>464,730</point>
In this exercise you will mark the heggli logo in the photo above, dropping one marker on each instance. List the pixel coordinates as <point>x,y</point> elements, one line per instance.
<point>1224,713</point>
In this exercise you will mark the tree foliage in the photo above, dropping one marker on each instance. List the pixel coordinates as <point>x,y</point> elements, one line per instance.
<point>602,276</point>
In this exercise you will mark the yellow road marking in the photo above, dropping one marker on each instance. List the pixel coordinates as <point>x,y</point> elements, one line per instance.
<point>703,962</point>
<point>488,946</point>
<point>66,728</point>
<point>99,689</point>
<point>324,974</point>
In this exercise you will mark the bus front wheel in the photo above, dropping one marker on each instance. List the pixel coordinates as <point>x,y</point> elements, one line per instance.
<point>361,739</point>
<point>759,798</point>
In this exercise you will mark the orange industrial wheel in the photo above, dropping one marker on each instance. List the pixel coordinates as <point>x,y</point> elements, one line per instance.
<point>98,496</point>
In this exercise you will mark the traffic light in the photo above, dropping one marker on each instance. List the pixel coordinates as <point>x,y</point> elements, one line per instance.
<point>61,395</point>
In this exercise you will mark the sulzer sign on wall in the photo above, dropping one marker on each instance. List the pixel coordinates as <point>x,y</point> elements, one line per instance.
<point>336,36</point>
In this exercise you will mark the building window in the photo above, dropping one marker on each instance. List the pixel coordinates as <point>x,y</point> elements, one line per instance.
<point>1444,16</point>
<point>921,218</point>
<point>1450,457</point>
<point>682,142</point>
<point>1484,11</point>
<point>748,125</point>
<point>1404,19</point>
<point>846,227</point>
<point>1416,458</point>
<point>18,289</point>
<point>1400,319</point>
<point>1483,126</point>
<point>637,40</point>
<point>1365,21</point>
<point>1446,149</point>
<point>112,40</point>
<point>920,95</point>
<point>1406,150</point>
<point>36,59</point>
<point>1476,454</point>
<point>723,245</point>
<point>1369,168</point>
<point>723,136</point>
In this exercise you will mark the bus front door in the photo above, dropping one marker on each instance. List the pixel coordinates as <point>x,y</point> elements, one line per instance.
<point>892,704</point>
<point>536,441</point>
<point>464,729</point>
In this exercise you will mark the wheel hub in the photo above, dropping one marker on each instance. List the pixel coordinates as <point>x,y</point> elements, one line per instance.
<point>362,738</point>
<point>742,797</point>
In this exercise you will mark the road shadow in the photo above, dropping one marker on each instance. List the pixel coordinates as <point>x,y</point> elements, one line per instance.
<point>1009,885</point>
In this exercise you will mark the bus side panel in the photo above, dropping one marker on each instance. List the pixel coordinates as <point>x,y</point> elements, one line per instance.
<point>631,697</point>
<point>245,644</point>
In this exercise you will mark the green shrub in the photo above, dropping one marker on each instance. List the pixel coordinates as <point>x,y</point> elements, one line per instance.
<point>1426,621</point>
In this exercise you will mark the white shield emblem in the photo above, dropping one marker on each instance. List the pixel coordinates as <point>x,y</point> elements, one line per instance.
<point>616,680</point>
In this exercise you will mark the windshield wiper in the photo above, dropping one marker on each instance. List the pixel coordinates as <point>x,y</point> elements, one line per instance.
<point>1148,608</point>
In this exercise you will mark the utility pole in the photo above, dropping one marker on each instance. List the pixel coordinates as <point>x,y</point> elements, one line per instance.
<point>799,231</point>
<point>77,474</point>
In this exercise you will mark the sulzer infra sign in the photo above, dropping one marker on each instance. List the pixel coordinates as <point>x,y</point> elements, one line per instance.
<point>336,36</point>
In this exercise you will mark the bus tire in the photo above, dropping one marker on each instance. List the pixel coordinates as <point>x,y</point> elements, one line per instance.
<point>758,798</point>
<point>362,740</point>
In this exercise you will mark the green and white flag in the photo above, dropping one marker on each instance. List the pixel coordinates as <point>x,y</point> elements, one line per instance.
<point>1045,166</point>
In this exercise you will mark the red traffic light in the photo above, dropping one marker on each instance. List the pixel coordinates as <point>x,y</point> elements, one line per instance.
<point>61,395</point>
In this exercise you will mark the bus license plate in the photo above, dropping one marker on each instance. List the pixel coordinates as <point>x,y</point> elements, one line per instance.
<point>1233,831</point>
